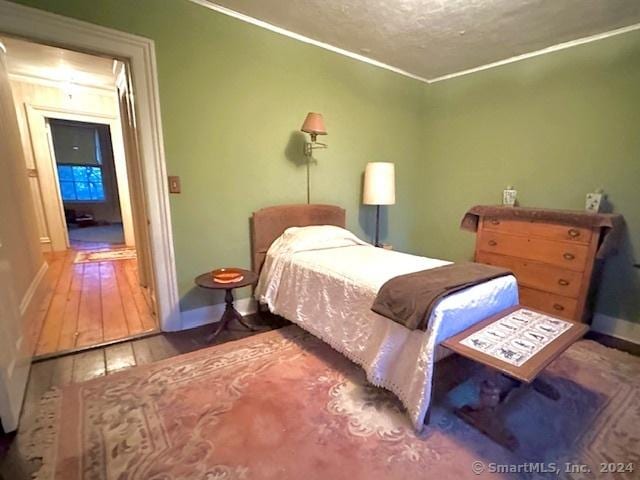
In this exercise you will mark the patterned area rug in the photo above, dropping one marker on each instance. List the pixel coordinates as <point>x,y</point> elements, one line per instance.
<point>89,256</point>
<point>282,405</point>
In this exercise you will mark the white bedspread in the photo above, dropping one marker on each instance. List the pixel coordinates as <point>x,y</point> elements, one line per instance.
<point>327,288</point>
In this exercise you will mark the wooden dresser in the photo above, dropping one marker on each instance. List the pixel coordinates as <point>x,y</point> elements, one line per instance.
<point>553,261</point>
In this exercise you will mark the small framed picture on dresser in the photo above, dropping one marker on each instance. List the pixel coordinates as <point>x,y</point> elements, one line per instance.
<point>593,201</point>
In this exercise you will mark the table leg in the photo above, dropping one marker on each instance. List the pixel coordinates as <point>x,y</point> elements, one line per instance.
<point>230,313</point>
<point>484,416</point>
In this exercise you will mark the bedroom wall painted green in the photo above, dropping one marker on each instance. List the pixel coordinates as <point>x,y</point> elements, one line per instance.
<point>555,126</point>
<point>233,97</point>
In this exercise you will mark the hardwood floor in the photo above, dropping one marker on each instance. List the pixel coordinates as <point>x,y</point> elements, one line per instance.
<point>78,367</point>
<point>91,303</point>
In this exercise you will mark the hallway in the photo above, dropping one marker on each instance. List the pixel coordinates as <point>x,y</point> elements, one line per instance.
<point>92,303</point>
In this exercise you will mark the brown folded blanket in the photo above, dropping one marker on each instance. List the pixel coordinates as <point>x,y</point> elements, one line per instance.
<point>409,299</point>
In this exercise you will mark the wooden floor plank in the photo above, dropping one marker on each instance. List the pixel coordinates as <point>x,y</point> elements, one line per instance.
<point>69,330</point>
<point>48,341</point>
<point>119,357</point>
<point>90,303</point>
<point>134,322</point>
<point>140,299</point>
<point>90,311</point>
<point>114,322</point>
<point>89,365</point>
<point>55,263</point>
<point>161,348</point>
<point>142,351</point>
<point>62,373</point>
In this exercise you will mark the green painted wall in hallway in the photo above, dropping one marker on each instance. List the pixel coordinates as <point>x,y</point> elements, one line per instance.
<point>555,126</point>
<point>233,97</point>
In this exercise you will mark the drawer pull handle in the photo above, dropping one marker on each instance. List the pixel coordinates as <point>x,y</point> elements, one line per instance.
<point>573,233</point>
<point>495,222</point>
<point>563,282</point>
<point>569,256</point>
<point>558,307</point>
<point>492,243</point>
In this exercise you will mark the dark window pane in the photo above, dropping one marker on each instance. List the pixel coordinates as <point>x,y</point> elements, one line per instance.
<point>68,191</point>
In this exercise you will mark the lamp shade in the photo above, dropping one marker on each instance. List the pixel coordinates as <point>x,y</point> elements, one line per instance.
<point>379,184</point>
<point>314,123</point>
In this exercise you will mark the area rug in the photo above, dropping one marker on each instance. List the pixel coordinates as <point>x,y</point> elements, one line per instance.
<point>282,405</point>
<point>92,256</point>
<point>113,233</point>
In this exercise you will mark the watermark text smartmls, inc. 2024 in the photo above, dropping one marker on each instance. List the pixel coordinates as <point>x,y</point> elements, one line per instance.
<point>479,467</point>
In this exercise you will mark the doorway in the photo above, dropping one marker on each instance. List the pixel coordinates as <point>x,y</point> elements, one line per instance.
<point>88,184</point>
<point>81,161</point>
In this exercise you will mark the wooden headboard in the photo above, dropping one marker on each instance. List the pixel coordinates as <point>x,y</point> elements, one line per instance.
<point>269,223</point>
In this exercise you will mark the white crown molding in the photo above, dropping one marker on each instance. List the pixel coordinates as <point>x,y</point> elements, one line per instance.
<point>282,31</point>
<point>48,82</point>
<point>304,39</point>
<point>537,53</point>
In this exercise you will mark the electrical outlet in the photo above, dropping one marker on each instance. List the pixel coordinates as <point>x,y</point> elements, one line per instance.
<point>174,184</point>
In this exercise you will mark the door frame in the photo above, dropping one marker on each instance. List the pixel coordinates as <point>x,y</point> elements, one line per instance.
<point>37,117</point>
<point>139,53</point>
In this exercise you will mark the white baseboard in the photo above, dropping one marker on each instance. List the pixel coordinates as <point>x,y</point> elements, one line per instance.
<point>616,327</point>
<point>33,288</point>
<point>212,313</point>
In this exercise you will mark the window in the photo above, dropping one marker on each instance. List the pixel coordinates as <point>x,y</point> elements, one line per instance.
<point>81,183</point>
<point>79,161</point>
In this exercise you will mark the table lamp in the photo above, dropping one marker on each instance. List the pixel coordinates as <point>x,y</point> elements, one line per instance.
<point>379,189</point>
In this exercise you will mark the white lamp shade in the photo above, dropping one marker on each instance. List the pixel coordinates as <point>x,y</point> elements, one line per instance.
<point>379,184</point>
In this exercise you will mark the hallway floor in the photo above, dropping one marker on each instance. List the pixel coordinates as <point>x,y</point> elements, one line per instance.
<point>92,303</point>
<point>111,234</point>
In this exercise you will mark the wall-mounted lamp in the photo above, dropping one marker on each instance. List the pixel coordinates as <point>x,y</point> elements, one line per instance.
<point>314,126</point>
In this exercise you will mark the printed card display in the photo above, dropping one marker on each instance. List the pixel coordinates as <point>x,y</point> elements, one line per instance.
<point>518,336</point>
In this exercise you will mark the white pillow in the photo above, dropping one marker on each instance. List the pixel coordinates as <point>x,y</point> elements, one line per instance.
<point>317,237</point>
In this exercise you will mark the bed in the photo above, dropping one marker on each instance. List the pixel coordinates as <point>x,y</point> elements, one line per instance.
<point>325,280</point>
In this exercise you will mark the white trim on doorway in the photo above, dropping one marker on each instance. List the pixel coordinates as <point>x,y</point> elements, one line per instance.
<point>140,53</point>
<point>36,118</point>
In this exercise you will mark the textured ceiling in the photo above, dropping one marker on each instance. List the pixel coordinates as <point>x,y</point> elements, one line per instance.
<point>58,64</point>
<point>434,38</point>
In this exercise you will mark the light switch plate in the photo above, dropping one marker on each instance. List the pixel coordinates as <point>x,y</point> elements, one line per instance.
<point>174,184</point>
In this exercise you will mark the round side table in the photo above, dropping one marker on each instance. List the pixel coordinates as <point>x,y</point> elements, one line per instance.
<point>230,313</point>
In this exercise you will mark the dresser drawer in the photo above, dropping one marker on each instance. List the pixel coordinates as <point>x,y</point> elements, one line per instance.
<point>549,302</point>
<point>550,231</point>
<point>536,274</point>
<point>561,254</point>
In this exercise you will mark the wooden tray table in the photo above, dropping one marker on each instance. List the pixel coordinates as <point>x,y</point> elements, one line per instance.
<point>485,415</point>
